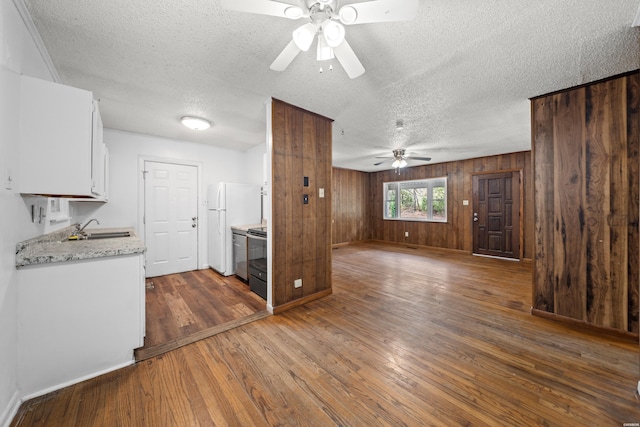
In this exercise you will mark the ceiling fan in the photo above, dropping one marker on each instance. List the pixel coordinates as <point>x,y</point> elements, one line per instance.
<point>399,159</point>
<point>326,19</point>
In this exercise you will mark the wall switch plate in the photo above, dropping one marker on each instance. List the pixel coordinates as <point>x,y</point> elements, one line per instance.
<point>297,283</point>
<point>305,199</point>
<point>321,193</point>
<point>306,181</point>
<point>465,203</point>
<point>406,234</point>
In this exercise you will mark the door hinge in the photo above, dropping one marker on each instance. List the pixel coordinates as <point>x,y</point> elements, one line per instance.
<point>144,174</point>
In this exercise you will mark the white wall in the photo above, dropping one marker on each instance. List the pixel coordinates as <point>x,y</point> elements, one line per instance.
<point>125,153</point>
<point>18,55</point>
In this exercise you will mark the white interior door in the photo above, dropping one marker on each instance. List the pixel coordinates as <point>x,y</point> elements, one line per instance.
<point>170,218</point>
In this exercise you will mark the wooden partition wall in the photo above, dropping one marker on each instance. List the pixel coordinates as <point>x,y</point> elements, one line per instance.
<point>585,145</point>
<point>301,233</point>
<point>351,194</point>
<point>457,232</point>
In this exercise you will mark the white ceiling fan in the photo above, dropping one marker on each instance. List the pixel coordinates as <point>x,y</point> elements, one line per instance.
<point>326,19</point>
<point>399,159</point>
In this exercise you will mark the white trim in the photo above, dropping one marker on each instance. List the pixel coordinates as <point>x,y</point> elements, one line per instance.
<point>37,39</point>
<point>10,411</point>
<point>202,263</point>
<point>636,21</point>
<point>78,380</point>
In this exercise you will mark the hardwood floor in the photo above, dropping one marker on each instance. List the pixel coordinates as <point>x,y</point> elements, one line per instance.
<point>185,307</point>
<point>409,337</point>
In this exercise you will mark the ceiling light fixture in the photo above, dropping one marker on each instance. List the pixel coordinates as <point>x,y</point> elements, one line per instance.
<point>399,163</point>
<point>303,36</point>
<point>195,123</point>
<point>399,125</point>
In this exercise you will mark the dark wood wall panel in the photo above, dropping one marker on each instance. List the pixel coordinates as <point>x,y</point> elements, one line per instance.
<point>586,167</point>
<point>301,232</point>
<point>351,192</point>
<point>457,232</point>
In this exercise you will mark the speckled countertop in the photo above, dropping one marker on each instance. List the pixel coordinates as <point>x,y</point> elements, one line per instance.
<point>246,227</point>
<point>53,247</point>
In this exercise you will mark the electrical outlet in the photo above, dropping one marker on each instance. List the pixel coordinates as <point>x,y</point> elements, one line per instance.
<point>406,234</point>
<point>297,283</point>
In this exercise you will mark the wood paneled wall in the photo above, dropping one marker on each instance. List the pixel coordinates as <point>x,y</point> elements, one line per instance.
<point>350,206</point>
<point>456,233</point>
<point>301,233</point>
<point>586,165</point>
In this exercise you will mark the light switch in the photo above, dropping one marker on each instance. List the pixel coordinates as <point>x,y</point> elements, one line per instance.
<point>465,203</point>
<point>321,193</point>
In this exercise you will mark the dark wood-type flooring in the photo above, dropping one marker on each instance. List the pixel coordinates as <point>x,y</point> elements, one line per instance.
<point>185,307</point>
<point>409,337</point>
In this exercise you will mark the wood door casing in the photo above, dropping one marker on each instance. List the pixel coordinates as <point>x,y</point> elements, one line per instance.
<point>496,214</point>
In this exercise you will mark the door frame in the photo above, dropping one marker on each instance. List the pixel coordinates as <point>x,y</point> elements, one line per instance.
<point>201,233</point>
<point>520,210</point>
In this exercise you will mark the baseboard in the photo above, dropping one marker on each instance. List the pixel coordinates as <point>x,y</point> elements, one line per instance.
<point>10,411</point>
<point>301,301</point>
<point>587,327</point>
<point>77,380</point>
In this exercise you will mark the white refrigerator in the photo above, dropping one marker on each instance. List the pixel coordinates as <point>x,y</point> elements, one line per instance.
<point>229,204</point>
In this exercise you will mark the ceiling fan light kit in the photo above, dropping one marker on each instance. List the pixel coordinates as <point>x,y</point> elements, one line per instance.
<point>323,21</point>
<point>399,159</point>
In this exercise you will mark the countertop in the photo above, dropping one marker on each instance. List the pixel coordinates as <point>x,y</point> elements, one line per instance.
<point>52,248</point>
<point>245,228</point>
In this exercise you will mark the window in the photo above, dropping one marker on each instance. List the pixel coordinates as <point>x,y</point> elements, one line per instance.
<point>419,200</point>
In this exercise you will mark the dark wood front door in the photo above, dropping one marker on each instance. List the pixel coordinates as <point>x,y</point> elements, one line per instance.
<point>496,214</point>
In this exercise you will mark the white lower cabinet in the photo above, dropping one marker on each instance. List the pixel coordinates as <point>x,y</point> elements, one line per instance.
<point>78,320</point>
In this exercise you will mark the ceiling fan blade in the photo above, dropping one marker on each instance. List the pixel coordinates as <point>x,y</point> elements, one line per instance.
<point>383,161</point>
<point>285,58</point>
<point>264,7</point>
<point>378,11</point>
<point>426,159</point>
<point>349,60</point>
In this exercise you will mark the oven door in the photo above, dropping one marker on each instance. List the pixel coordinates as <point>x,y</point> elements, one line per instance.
<point>257,260</point>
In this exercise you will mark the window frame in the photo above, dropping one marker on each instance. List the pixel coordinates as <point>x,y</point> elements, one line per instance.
<point>429,184</point>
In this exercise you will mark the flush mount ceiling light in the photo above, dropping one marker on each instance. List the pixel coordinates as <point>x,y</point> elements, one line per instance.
<point>195,123</point>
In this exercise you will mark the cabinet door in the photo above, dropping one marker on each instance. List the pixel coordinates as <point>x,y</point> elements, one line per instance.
<point>98,154</point>
<point>56,127</point>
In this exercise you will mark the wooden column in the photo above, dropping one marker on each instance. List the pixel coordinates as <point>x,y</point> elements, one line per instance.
<point>585,155</point>
<point>301,232</point>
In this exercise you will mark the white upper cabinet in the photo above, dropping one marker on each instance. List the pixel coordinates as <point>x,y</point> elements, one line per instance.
<point>61,148</point>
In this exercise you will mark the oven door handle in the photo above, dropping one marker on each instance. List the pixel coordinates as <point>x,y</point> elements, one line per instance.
<point>251,236</point>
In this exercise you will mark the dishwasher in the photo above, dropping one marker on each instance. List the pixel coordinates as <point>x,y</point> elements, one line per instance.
<point>240,254</point>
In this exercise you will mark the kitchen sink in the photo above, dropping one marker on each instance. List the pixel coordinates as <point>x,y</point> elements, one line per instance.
<point>101,235</point>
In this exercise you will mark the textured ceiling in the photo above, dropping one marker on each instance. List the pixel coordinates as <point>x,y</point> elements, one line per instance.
<point>459,76</point>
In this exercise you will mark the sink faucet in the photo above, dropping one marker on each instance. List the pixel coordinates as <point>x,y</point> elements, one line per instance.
<point>81,229</point>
